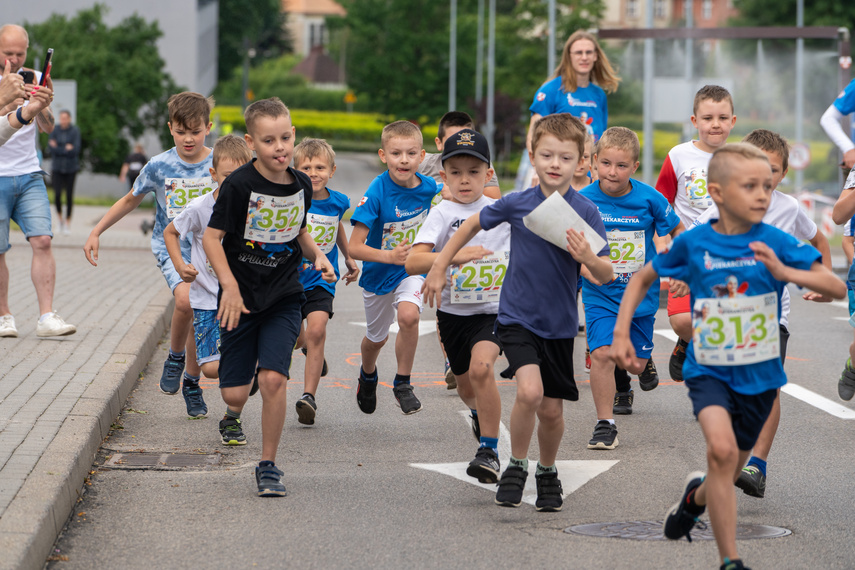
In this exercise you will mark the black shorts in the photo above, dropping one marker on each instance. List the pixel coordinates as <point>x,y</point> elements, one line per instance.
<point>554,356</point>
<point>318,299</point>
<point>784,336</point>
<point>460,333</point>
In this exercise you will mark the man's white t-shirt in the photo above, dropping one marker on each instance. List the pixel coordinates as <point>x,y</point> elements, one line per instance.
<point>194,219</point>
<point>18,156</point>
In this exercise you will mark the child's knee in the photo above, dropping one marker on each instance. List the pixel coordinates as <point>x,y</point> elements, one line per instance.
<point>408,315</point>
<point>600,356</point>
<point>550,411</point>
<point>271,381</point>
<point>211,369</point>
<point>316,333</point>
<point>722,453</point>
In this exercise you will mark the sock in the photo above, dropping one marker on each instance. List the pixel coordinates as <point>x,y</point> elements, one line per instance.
<point>491,442</point>
<point>514,462</point>
<point>366,377</point>
<point>266,464</point>
<point>401,379</point>
<point>541,469</point>
<point>191,380</point>
<point>758,463</point>
<point>178,356</point>
<point>307,394</point>
<point>230,413</point>
<point>622,380</point>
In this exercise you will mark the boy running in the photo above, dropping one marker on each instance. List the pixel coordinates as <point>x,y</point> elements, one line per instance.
<point>844,210</point>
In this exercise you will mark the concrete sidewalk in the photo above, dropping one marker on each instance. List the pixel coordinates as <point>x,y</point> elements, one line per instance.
<point>59,396</point>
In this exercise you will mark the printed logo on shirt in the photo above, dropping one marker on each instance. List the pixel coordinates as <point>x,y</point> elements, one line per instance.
<point>407,214</point>
<point>364,199</point>
<point>457,223</point>
<point>609,219</point>
<point>712,263</point>
<point>541,96</point>
<point>842,93</point>
<point>579,103</point>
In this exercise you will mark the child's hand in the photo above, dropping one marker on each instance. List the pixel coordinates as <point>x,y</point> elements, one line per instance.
<point>622,352</point>
<point>470,253</point>
<point>432,287</point>
<point>323,265</point>
<point>398,256</point>
<point>187,272</point>
<point>816,297</point>
<point>90,249</point>
<point>231,308</point>
<point>764,254</point>
<point>579,247</point>
<point>678,288</point>
<point>352,271</point>
<point>586,274</point>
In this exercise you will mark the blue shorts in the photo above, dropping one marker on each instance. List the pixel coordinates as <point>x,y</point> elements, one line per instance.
<point>748,413</point>
<point>265,339</point>
<point>24,200</point>
<point>851,302</point>
<point>206,332</point>
<point>164,262</point>
<point>600,328</point>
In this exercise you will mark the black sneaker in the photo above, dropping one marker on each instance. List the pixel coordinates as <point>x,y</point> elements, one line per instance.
<point>649,377</point>
<point>450,378</point>
<point>325,369</point>
<point>170,380</point>
<point>485,466</point>
<point>511,487</point>
<point>366,394</point>
<point>733,565</point>
<point>306,408</point>
<point>752,482</point>
<point>196,407</point>
<point>476,427</point>
<point>679,522</point>
<point>846,384</point>
<point>269,481</point>
<point>623,403</point>
<point>231,431</point>
<point>254,389</point>
<point>548,492</point>
<point>678,357</point>
<point>406,399</point>
<point>605,436</point>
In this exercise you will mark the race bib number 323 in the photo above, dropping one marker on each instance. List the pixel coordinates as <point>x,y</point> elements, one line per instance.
<point>274,219</point>
<point>734,331</point>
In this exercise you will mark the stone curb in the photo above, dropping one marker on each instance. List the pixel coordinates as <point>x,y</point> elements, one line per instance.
<point>32,522</point>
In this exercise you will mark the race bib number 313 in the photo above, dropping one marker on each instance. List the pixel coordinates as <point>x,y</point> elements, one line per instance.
<point>179,192</point>
<point>735,331</point>
<point>479,281</point>
<point>274,219</point>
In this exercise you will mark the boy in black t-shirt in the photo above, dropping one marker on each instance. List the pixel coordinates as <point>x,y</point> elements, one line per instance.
<point>255,242</point>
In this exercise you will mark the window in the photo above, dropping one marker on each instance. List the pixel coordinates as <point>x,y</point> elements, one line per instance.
<point>632,9</point>
<point>659,9</point>
<point>707,9</point>
<point>316,34</point>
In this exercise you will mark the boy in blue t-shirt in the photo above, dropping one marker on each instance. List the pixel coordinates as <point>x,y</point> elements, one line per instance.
<point>538,318</point>
<point>175,176</point>
<point>845,209</point>
<point>736,268</point>
<point>316,158</point>
<point>385,225</point>
<point>632,213</point>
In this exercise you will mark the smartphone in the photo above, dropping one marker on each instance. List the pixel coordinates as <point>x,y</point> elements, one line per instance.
<point>46,68</point>
<point>29,76</point>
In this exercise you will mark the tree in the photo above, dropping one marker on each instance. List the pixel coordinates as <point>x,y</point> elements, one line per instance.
<point>261,22</point>
<point>777,13</point>
<point>121,86</point>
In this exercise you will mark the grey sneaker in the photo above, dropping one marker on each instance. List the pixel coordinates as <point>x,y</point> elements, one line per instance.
<point>485,466</point>
<point>196,407</point>
<point>269,481</point>
<point>406,399</point>
<point>605,436</point>
<point>846,384</point>
<point>306,408</point>
<point>649,377</point>
<point>623,403</point>
<point>170,380</point>
<point>752,482</point>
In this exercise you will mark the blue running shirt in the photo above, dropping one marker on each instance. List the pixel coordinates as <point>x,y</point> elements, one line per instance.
<point>587,103</point>
<point>322,224</point>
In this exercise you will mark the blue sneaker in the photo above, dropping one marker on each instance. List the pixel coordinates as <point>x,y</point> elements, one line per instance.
<point>196,407</point>
<point>269,481</point>
<point>170,380</point>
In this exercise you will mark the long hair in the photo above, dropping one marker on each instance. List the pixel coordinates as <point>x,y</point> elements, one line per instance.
<point>602,73</point>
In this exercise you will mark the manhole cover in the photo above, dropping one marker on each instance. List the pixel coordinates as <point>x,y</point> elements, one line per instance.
<point>162,461</point>
<point>652,530</point>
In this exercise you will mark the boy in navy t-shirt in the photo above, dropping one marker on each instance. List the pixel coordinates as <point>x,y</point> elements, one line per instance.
<point>538,318</point>
<point>736,268</point>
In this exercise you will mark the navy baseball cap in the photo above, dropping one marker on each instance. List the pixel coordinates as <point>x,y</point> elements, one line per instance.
<point>468,142</point>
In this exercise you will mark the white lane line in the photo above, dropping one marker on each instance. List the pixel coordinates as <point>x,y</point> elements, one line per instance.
<point>667,333</point>
<point>818,401</point>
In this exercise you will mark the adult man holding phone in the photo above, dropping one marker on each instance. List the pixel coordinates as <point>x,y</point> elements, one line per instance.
<point>23,198</point>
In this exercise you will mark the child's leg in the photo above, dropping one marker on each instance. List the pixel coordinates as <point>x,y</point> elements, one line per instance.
<point>526,403</point>
<point>315,337</point>
<point>681,323</point>
<point>482,382</point>
<point>370,351</point>
<point>379,315</point>
<point>272,386</point>
<point>550,428</point>
<point>235,397</point>
<point>602,382</point>
<point>408,336</point>
<point>770,428</point>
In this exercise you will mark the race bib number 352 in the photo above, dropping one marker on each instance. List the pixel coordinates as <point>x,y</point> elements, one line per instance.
<point>735,331</point>
<point>479,281</point>
<point>274,219</point>
<point>179,192</point>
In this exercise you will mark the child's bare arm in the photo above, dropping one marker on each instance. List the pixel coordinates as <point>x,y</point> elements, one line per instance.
<point>172,239</point>
<point>123,206</point>
<point>622,351</point>
<point>600,268</point>
<point>349,263</point>
<point>848,247</point>
<point>312,252</point>
<point>231,303</point>
<point>435,279</point>
<point>360,250</point>
<point>844,208</point>
<point>422,257</point>
<point>818,278</point>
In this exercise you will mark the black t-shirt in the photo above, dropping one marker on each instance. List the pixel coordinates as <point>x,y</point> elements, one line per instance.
<point>135,162</point>
<point>262,220</point>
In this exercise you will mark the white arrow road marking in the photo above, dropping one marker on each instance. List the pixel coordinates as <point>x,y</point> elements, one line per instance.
<point>818,401</point>
<point>573,474</point>
<point>425,326</point>
<point>667,333</point>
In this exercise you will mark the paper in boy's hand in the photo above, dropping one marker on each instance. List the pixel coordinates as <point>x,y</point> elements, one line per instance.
<point>554,217</point>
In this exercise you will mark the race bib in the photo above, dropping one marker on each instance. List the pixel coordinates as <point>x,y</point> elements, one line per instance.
<point>395,232</point>
<point>274,219</point>
<point>696,189</point>
<point>323,229</point>
<point>626,250</point>
<point>479,281</point>
<point>179,192</point>
<point>734,331</point>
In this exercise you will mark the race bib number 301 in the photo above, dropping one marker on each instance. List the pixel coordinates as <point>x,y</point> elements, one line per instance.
<point>179,192</point>
<point>323,229</point>
<point>734,331</point>
<point>626,250</point>
<point>479,281</point>
<point>274,219</point>
<point>395,232</point>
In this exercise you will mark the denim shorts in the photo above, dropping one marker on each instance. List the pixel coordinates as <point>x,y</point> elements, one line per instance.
<point>24,199</point>
<point>206,332</point>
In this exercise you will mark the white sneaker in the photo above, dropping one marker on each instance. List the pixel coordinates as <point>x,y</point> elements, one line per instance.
<point>7,326</point>
<point>53,325</point>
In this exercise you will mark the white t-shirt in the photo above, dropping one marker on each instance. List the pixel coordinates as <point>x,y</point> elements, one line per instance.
<point>441,224</point>
<point>786,214</point>
<point>683,180</point>
<point>193,220</point>
<point>18,156</point>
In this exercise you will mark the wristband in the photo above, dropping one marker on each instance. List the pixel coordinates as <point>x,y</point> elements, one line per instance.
<point>20,117</point>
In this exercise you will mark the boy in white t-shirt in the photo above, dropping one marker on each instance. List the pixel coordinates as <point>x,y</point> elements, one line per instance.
<point>470,302</point>
<point>230,152</point>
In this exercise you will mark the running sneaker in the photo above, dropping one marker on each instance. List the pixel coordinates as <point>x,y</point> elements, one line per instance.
<point>170,380</point>
<point>623,404</point>
<point>846,384</point>
<point>733,565</point>
<point>269,480</point>
<point>587,360</point>
<point>196,407</point>
<point>450,378</point>
<point>752,481</point>
<point>366,394</point>
<point>511,487</point>
<point>549,492</point>
<point>649,377</point>
<point>406,399</point>
<point>605,436</point>
<point>231,431</point>
<point>679,522</point>
<point>476,427</point>
<point>53,325</point>
<point>678,357</point>
<point>7,326</point>
<point>306,408</point>
<point>485,466</point>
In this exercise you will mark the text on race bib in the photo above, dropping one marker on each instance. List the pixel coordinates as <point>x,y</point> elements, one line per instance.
<point>626,250</point>
<point>479,281</point>
<point>179,192</point>
<point>274,219</point>
<point>696,189</point>
<point>323,229</point>
<point>733,331</point>
<point>395,232</point>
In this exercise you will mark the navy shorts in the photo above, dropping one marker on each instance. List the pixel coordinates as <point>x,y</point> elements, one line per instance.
<point>459,333</point>
<point>266,338</point>
<point>748,413</point>
<point>318,299</point>
<point>554,356</point>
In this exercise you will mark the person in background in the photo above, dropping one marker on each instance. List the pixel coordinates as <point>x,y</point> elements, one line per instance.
<point>65,147</point>
<point>133,165</point>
